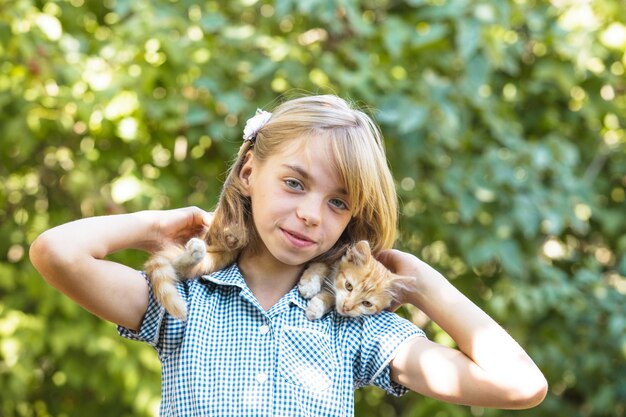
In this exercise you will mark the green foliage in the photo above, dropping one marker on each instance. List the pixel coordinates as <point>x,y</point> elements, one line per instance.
<point>504,124</point>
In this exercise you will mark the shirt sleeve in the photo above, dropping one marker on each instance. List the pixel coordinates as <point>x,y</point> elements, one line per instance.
<point>382,335</point>
<point>158,328</point>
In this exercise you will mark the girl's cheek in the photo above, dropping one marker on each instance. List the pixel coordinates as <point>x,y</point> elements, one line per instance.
<point>339,218</point>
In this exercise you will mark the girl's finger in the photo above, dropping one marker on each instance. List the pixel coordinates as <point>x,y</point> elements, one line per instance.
<point>199,217</point>
<point>207,218</point>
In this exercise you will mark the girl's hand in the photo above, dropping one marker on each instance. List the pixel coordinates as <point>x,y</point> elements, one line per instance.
<point>176,226</point>
<point>405,264</point>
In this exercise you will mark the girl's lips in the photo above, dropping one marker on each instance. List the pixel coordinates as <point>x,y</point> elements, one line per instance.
<point>296,239</point>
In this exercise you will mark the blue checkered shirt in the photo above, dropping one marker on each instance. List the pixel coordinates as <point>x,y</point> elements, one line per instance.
<point>232,358</point>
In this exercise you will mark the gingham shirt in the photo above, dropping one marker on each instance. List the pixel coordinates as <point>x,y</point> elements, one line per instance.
<point>232,358</point>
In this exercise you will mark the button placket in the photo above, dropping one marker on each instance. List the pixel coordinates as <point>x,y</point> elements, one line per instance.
<point>266,342</point>
<point>261,377</point>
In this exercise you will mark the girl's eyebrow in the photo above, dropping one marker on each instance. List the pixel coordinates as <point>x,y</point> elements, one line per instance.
<point>307,177</point>
<point>299,170</point>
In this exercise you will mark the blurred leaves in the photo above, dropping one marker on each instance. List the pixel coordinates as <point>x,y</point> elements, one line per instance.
<point>504,124</point>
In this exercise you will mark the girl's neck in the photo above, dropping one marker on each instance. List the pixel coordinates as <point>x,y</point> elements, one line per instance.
<point>268,279</point>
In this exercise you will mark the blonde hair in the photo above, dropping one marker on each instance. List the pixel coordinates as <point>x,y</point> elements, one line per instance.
<point>359,158</point>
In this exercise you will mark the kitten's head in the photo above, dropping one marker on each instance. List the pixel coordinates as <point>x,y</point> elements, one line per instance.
<point>363,286</point>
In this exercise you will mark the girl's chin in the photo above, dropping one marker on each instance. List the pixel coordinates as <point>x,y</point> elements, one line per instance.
<point>281,256</point>
<point>291,260</point>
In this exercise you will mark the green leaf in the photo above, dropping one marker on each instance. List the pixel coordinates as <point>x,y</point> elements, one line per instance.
<point>468,37</point>
<point>526,215</point>
<point>403,113</point>
<point>197,116</point>
<point>481,252</point>
<point>434,33</point>
<point>213,22</point>
<point>396,34</point>
<point>511,258</point>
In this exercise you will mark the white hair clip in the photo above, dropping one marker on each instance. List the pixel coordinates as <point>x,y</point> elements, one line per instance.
<point>255,123</point>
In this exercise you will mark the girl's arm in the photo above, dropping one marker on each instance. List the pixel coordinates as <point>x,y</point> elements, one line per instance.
<point>71,258</point>
<point>489,370</point>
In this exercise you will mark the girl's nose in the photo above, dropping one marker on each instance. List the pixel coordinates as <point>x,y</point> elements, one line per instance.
<point>309,211</point>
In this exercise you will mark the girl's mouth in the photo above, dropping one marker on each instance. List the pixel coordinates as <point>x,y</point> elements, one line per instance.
<point>297,240</point>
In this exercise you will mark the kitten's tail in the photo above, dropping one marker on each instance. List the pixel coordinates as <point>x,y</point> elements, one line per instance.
<point>163,277</point>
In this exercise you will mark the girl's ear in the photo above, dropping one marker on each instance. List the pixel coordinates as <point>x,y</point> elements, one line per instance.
<point>245,173</point>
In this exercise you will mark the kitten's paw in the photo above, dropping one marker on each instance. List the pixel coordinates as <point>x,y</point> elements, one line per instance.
<point>315,309</point>
<point>196,249</point>
<point>310,287</point>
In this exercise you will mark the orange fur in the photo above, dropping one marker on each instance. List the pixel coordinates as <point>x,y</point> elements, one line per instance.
<point>198,257</point>
<point>356,285</point>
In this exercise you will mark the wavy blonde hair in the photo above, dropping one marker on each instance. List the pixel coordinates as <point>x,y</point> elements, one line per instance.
<point>360,160</point>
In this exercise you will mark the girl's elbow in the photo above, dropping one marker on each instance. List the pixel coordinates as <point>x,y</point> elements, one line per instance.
<point>530,393</point>
<point>37,250</point>
<point>539,393</point>
<point>47,256</point>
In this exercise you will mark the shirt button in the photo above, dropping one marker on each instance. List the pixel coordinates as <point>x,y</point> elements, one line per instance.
<point>264,329</point>
<point>261,377</point>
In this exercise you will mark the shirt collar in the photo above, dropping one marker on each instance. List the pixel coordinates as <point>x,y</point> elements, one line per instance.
<point>231,276</point>
<point>294,297</point>
<point>227,276</point>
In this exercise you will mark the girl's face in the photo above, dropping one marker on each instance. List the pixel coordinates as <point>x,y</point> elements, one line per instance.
<point>299,205</point>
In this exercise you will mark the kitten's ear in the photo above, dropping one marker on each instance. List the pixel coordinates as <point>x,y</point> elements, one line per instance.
<point>359,253</point>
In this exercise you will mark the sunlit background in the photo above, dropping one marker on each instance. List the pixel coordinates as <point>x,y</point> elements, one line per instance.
<point>504,124</point>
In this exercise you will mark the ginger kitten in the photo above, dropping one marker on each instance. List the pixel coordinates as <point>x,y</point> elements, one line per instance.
<point>355,285</point>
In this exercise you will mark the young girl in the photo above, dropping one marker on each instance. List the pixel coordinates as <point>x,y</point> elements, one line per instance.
<point>308,180</point>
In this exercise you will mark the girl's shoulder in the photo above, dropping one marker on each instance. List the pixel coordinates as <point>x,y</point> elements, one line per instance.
<point>377,325</point>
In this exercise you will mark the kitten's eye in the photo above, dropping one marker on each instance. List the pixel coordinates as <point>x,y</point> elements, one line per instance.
<point>293,184</point>
<point>348,286</point>
<point>366,304</point>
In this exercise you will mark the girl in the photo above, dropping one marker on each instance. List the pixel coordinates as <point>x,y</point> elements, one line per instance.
<point>306,182</point>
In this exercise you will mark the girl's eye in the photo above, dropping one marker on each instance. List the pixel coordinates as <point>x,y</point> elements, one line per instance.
<point>348,286</point>
<point>293,184</point>
<point>366,304</point>
<point>339,204</point>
